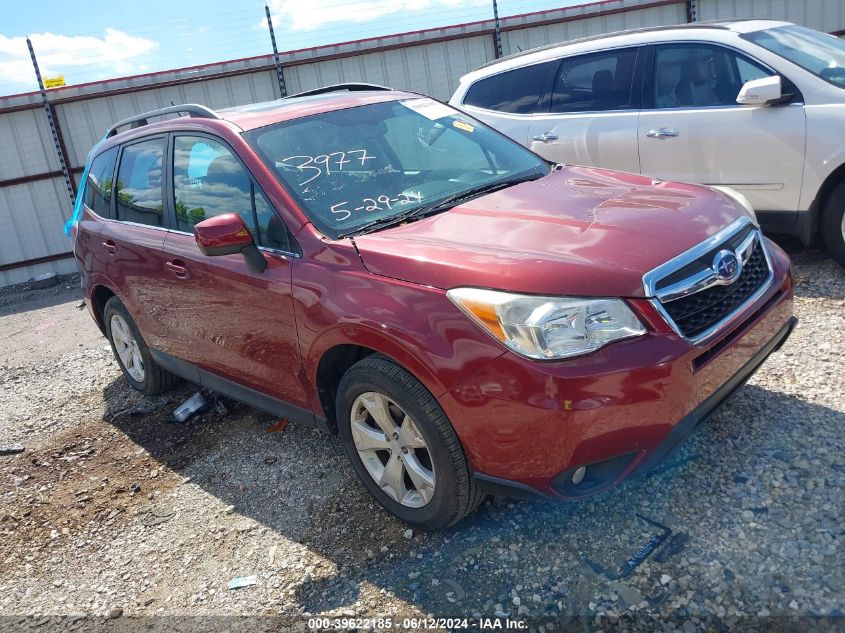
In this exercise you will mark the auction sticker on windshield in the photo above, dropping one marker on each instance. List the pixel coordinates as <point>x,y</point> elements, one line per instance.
<point>429,108</point>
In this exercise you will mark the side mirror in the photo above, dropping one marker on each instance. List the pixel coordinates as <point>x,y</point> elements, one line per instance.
<point>761,92</point>
<point>227,234</point>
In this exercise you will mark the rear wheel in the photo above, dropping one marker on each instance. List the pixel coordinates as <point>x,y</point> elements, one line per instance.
<point>833,224</point>
<point>402,445</point>
<point>132,353</point>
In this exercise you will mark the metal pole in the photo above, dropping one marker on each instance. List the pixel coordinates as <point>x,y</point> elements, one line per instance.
<point>282,89</point>
<point>692,11</point>
<point>498,31</point>
<point>71,187</point>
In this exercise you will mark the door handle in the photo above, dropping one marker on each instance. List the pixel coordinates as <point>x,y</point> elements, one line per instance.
<point>110,246</point>
<point>662,133</point>
<point>177,267</point>
<point>545,137</point>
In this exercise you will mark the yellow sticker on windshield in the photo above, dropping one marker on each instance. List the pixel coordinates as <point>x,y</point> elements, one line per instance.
<point>461,125</point>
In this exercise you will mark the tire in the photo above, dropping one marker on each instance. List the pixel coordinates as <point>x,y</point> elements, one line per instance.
<point>455,493</point>
<point>833,224</point>
<point>152,378</point>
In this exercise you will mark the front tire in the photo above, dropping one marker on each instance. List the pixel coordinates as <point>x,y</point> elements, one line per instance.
<point>833,224</point>
<point>132,353</point>
<point>402,445</point>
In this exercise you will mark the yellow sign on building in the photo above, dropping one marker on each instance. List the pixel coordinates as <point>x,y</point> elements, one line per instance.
<point>54,82</point>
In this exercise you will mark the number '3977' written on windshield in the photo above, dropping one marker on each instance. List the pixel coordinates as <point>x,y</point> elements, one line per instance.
<point>326,164</point>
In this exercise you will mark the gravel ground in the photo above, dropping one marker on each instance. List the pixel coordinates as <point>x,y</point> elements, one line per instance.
<point>113,514</point>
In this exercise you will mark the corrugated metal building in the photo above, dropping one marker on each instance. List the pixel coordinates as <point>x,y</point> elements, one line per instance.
<point>34,199</point>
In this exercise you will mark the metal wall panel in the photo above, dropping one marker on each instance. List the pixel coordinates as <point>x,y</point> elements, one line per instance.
<point>524,39</point>
<point>822,15</point>
<point>85,122</point>
<point>26,145</point>
<point>433,69</point>
<point>31,219</point>
<point>26,273</point>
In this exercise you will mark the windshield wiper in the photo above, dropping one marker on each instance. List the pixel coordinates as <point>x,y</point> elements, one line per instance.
<point>443,204</point>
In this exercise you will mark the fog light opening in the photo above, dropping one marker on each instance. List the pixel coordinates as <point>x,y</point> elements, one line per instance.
<point>578,475</point>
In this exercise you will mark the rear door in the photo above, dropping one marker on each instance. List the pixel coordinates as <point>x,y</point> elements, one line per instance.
<point>224,318</point>
<point>590,115</point>
<point>131,242</point>
<point>692,129</point>
<point>506,101</point>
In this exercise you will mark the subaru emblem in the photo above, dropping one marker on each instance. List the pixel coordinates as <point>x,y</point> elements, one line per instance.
<point>726,266</point>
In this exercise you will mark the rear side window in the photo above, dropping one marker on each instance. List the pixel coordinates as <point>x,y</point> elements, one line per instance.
<point>139,182</point>
<point>516,91</point>
<point>98,187</point>
<point>595,82</point>
<point>208,180</point>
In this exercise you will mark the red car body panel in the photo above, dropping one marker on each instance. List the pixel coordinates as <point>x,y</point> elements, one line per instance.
<point>525,422</point>
<point>578,231</point>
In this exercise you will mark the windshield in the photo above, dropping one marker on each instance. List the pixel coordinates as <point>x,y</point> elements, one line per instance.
<point>353,168</point>
<point>821,54</point>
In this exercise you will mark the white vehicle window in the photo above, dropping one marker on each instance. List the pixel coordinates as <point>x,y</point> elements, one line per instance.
<point>700,75</point>
<point>595,82</point>
<point>821,54</point>
<point>516,91</point>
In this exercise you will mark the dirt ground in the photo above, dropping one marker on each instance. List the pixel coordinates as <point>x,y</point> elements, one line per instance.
<point>115,517</point>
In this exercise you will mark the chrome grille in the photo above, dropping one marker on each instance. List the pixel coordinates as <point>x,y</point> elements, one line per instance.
<point>695,298</point>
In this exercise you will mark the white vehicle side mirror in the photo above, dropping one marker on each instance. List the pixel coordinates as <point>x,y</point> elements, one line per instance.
<point>760,92</point>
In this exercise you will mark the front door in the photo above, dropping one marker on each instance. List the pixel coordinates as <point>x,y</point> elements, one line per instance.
<point>590,116</point>
<point>224,318</point>
<point>694,131</point>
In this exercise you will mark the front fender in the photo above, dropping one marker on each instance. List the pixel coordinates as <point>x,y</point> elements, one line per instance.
<point>417,326</point>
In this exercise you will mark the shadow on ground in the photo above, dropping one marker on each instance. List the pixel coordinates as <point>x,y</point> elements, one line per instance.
<point>299,485</point>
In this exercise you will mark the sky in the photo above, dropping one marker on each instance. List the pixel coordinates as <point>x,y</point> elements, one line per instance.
<point>89,40</point>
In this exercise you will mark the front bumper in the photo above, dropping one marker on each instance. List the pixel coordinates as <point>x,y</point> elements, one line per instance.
<point>527,427</point>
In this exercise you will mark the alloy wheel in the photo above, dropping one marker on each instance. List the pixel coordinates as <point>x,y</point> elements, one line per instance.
<point>392,449</point>
<point>127,348</point>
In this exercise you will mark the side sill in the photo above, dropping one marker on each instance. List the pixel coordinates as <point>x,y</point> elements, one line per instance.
<point>248,396</point>
<point>500,487</point>
<point>799,224</point>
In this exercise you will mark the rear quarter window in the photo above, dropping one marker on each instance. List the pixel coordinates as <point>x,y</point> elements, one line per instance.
<point>98,186</point>
<point>516,91</point>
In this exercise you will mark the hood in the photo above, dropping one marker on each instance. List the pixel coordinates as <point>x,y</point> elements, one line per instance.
<point>578,231</point>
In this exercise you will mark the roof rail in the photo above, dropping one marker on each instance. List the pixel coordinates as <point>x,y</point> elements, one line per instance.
<point>140,120</point>
<point>350,87</point>
<point>714,24</point>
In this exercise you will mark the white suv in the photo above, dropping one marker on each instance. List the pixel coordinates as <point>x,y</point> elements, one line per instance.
<point>757,106</point>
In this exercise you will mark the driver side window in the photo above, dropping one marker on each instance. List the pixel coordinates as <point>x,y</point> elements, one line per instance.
<point>700,75</point>
<point>208,180</point>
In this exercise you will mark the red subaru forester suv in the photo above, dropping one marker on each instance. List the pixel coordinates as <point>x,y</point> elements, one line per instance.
<point>468,318</point>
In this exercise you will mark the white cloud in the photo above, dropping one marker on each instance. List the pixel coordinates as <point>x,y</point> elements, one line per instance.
<point>61,54</point>
<point>303,16</point>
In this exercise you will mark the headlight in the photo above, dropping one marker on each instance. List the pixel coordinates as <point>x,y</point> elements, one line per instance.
<point>548,327</point>
<point>737,197</point>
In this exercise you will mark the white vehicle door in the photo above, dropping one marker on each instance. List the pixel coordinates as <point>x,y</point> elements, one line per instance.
<point>692,129</point>
<point>506,101</point>
<point>590,115</point>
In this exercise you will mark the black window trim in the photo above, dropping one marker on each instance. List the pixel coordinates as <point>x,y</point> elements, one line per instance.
<point>650,67</point>
<point>550,73</point>
<point>170,207</point>
<point>636,87</point>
